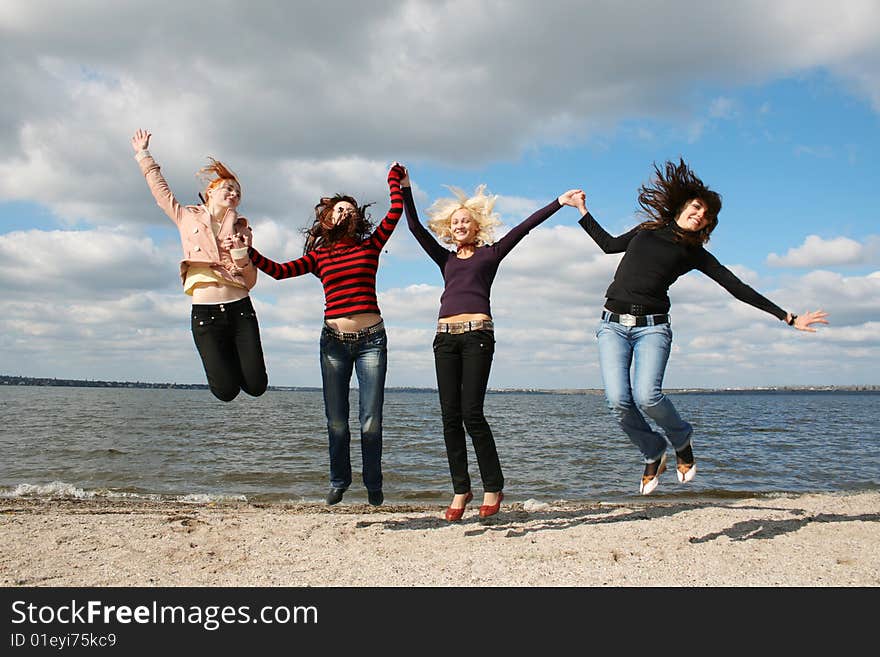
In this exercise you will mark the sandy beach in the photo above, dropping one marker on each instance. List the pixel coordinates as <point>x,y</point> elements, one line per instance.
<point>811,540</point>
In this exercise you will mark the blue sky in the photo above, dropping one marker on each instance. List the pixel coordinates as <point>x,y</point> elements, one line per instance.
<point>776,109</point>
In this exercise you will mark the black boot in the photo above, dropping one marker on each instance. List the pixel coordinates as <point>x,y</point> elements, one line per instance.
<point>335,496</point>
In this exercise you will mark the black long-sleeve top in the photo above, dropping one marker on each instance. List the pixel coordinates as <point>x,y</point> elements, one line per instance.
<point>468,280</point>
<point>654,259</point>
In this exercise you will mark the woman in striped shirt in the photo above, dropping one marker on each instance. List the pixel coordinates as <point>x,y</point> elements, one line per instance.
<point>342,250</point>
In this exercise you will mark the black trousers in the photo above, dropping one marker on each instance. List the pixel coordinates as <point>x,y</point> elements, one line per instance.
<point>227,336</point>
<point>463,362</point>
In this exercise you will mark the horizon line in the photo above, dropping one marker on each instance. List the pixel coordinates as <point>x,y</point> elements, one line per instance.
<point>9,379</point>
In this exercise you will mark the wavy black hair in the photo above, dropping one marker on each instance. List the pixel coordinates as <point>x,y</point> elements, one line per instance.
<point>670,189</point>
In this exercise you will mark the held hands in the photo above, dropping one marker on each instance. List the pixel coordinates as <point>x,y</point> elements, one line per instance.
<point>803,322</point>
<point>236,241</point>
<point>141,140</point>
<point>402,173</point>
<point>574,198</point>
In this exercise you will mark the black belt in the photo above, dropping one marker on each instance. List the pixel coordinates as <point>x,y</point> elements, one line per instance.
<point>615,306</point>
<point>355,336</point>
<point>635,320</point>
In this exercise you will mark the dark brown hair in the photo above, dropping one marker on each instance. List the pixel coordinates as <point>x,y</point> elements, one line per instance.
<point>321,234</point>
<point>669,191</point>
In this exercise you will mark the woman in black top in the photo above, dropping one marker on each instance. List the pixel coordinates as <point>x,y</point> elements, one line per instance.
<point>635,328</point>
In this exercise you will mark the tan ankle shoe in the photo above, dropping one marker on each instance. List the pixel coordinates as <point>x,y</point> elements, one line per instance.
<point>650,481</point>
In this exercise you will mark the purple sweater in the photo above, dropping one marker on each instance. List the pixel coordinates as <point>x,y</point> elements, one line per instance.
<point>468,280</point>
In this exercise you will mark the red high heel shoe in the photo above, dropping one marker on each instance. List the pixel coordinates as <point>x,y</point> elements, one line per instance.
<point>487,510</point>
<point>453,514</point>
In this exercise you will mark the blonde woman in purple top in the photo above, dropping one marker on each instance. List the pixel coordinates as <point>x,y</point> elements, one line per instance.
<point>465,341</point>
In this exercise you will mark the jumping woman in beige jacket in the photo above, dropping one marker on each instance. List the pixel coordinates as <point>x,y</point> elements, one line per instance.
<point>217,272</point>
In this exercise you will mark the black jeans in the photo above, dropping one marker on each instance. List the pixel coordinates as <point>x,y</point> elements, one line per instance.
<point>227,336</point>
<point>463,362</point>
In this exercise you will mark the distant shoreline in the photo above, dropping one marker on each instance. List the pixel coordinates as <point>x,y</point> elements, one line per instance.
<point>6,380</point>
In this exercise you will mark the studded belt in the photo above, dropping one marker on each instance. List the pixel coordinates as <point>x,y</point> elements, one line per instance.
<point>354,336</point>
<point>464,327</point>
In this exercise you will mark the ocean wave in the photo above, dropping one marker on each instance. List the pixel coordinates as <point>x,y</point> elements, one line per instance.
<point>63,490</point>
<point>53,489</point>
<point>203,498</point>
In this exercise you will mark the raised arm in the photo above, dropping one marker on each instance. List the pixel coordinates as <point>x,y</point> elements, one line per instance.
<point>383,231</point>
<point>514,235</point>
<point>433,248</point>
<point>156,182</point>
<point>709,265</point>
<point>279,271</point>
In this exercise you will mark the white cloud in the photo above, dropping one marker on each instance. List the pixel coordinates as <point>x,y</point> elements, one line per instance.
<point>103,263</point>
<point>814,151</point>
<point>412,305</point>
<point>304,100</point>
<point>865,336</point>
<point>325,83</point>
<point>546,301</point>
<point>819,252</point>
<point>517,208</point>
<point>723,108</point>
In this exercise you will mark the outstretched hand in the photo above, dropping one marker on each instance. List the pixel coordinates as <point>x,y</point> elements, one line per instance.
<point>141,140</point>
<point>574,198</point>
<point>803,322</point>
<point>404,174</point>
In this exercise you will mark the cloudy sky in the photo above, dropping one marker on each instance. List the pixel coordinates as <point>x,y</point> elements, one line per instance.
<point>774,105</point>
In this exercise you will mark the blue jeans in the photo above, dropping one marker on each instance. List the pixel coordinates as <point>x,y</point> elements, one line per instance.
<point>646,350</point>
<point>369,357</point>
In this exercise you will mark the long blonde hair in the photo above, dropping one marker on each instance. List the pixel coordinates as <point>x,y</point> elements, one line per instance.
<point>481,207</point>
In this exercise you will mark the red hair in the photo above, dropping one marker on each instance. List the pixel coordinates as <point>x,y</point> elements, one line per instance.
<point>215,173</point>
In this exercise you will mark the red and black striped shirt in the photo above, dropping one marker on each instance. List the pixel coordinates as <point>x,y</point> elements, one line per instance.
<point>348,269</point>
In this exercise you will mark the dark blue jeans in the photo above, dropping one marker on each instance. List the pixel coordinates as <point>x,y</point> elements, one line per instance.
<point>366,353</point>
<point>463,362</point>
<point>227,337</point>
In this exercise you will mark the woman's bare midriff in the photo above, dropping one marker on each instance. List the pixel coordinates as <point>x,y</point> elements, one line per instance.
<point>217,293</point>
<point>464,317</point>
<point>353,323</point>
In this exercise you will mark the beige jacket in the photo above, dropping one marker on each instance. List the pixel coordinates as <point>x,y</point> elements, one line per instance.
<point>200,247</point>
